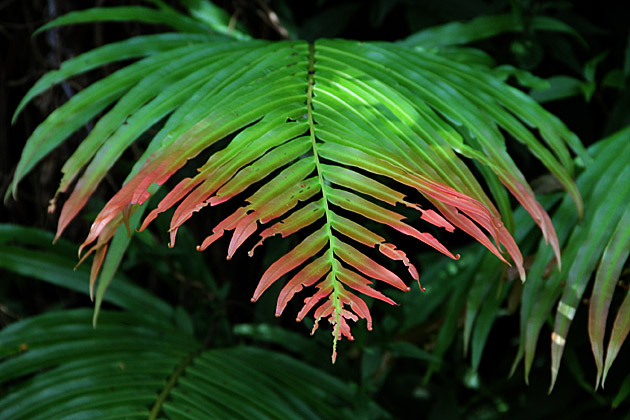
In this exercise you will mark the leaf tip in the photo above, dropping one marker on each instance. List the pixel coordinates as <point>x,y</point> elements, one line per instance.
<point>554,376</point>
<point>11,191</point>
<point>172,237</point>
<point>422,289</point>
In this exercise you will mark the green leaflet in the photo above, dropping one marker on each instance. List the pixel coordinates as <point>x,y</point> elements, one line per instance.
<point>131,48</point>
<point>618,336</point>
<point>154,97</point>
<point>483,324</point>
<point>484,27</point>
<point>486,280</point>
<point>136,13</point>
<point>613,260</point>
<point>455,304</point>
<point>215,17</point>
<point>116,251</point>
<point>489,288</point>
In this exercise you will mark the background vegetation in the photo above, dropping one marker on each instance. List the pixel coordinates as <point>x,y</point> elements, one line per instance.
<point>446,353</point>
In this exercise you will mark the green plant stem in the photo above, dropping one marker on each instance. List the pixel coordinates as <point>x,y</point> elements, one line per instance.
<point>172,381</point>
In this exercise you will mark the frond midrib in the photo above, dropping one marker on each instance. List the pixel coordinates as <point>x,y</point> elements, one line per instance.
<point>320,177</point>
<point>170,384</point>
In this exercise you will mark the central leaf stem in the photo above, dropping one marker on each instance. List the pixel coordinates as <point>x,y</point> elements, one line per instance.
<point>331,239</point>
<point>172,381</point>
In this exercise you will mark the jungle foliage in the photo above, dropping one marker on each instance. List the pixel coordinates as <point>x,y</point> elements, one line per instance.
<point>361,156</point>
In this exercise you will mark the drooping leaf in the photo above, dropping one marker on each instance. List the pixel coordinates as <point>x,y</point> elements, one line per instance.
<point>612,262</point>
<point>128,49</point>
<point>490,289</point>
<point>163,16</point>
<point>619,334</point>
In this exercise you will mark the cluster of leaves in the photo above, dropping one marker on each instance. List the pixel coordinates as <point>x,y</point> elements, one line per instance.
<point>595,248</point>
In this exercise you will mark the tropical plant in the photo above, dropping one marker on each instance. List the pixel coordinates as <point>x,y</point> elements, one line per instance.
<point>324,124</point>
<point>331,138</point>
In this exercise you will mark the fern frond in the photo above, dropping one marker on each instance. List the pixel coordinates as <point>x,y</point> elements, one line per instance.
<point>320,127</point>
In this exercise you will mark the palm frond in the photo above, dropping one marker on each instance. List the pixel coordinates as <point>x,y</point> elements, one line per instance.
<point>134,366</point>
<point>322,127</point>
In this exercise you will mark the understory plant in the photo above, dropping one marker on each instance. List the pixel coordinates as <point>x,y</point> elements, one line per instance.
<point>346,150</point>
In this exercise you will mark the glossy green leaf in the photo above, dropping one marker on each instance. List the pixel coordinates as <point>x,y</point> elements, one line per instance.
<point>623,394</point>
<point>456,304</point>
<point>592,240</point>
<point>85,105</point>
<point>488,312</point>
<point>490,288</point>
<point>560,87</point>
